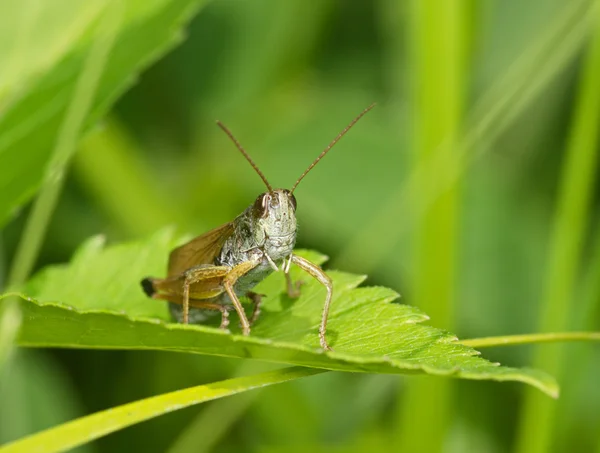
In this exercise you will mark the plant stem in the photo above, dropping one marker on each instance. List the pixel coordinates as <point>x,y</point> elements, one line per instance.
<point>513,340</point>
<point>85,429</point>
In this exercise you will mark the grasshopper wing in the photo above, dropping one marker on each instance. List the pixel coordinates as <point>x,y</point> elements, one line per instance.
<point>201,250</point>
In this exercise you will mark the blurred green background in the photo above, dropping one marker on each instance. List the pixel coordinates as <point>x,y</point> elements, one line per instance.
<point>470,189</point>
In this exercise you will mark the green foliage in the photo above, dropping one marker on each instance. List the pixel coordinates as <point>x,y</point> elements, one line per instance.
<point>573,213</point>
<point>286,77</point>
<point>43,68</point>
<point>96,302</point>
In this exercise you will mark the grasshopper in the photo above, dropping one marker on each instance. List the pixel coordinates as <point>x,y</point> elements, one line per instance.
<point>211,272</point>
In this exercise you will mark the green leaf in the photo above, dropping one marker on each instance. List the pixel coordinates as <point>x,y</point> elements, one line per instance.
<point>43,52</point>
<point>96,302</point>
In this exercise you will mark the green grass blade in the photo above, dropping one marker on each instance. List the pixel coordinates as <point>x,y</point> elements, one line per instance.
<point>204,432</point>
<point>36,394</point>
<point>580,361</point>
<point>439,48</point>
<point>93,426</point>
<point>571,219</point>
<point>539,64</point>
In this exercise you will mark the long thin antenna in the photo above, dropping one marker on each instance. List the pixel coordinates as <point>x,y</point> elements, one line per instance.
<point>326,150</point>
<point>243,151</point>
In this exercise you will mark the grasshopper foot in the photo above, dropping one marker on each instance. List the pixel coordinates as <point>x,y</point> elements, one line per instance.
<point>224,319</point>
<point>324,343</point>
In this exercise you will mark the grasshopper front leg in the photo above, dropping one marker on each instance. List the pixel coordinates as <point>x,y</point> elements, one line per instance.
<point>293,289</point>
<point>316,272</point>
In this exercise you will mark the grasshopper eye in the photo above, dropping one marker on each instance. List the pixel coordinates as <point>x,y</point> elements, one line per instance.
<point>261,205</point>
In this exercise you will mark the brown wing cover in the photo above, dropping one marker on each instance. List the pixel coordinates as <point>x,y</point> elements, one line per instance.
<point>201,250</point>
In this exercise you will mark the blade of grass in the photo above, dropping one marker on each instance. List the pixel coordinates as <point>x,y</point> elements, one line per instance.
<point>204,432</point>
<point>439,39</point>
<point>497,108</point>
<point>580,360</point>
<point>571,218</point>
<point>44,204</point>
<point>86,429</point>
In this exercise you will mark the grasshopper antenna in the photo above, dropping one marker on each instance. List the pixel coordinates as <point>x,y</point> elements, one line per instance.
<point>326,150</point>
<point>243,151</point>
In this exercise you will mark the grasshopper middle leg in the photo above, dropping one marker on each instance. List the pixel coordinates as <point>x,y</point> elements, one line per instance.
<point>256,302</point>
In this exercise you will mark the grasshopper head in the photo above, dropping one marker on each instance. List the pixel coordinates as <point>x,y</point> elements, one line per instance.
<point>275,213</point>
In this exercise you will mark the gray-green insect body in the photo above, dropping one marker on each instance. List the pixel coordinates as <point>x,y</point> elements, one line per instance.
<point>265,233</point>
